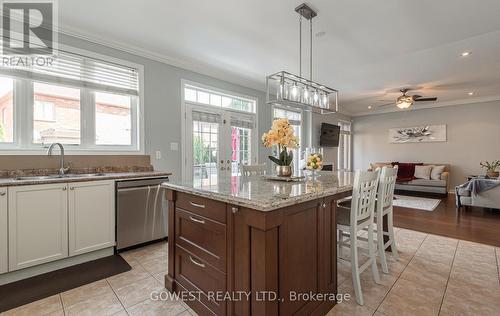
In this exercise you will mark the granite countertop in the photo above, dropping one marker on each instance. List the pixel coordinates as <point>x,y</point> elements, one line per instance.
<point>76,178</point>
<point>262,194</point>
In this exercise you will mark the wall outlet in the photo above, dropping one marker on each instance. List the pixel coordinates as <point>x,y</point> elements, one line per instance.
<point>158,154</point>
<point>174,146</point>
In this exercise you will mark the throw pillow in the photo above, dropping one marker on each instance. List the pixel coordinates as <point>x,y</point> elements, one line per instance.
<point>374,166</point>
<point>436,172</point>
<point>406,171</point>
<point>423,172</point>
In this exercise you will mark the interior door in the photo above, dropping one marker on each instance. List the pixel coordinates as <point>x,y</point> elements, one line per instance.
<point>204,160</point>
<point>218,142</point>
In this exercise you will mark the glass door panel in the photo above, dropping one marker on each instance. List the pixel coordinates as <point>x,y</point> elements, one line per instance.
<point>218,143</point>
<point>241,140</point>
<point>205,152</point>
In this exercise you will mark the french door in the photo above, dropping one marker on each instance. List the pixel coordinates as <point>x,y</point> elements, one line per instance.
<point>217,143</point>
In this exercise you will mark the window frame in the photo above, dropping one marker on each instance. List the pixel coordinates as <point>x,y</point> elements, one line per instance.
<point>23,114</point>
<point>300,150</point>
<point>345,148</point>
<point>208,107</point>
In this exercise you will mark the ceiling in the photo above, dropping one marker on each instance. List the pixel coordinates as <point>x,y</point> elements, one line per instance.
<point>366,49</point>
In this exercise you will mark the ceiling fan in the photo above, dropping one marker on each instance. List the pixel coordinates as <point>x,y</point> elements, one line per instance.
<point>405,101</point>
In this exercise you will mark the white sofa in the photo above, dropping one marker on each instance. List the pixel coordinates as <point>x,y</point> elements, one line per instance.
<point>440,186</point>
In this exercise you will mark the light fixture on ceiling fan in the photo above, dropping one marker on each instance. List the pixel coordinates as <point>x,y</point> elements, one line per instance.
<point>290,90</point>
<point>406,101</point>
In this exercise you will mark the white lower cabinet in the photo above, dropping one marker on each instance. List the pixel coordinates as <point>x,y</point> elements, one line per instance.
<point>38,224</point>
<point>4,261</point>
<point>91,216</point>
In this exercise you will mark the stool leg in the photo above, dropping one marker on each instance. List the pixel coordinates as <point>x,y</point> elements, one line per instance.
<point>373,257</point>
<point>355,269</point>
<point>381,246</point>
<point>391,235</point>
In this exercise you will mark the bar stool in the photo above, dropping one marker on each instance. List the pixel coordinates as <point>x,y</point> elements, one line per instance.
<point>353,220</point>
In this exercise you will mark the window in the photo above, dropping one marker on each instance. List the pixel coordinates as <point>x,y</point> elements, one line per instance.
<point>44,111</point>
<point>295,119</point>
<point>56,114</point>
<point>113,119</point>
<point>6,110</point>
<point>345,146</point>
<point>87,103</point>
<point>207,97</point>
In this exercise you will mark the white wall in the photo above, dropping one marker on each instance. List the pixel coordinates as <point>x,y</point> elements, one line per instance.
<point>329,153</point>
<point>162,103</point>
<point>473,136</point>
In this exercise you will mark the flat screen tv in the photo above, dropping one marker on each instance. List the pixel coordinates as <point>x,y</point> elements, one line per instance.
<point>329,135</point>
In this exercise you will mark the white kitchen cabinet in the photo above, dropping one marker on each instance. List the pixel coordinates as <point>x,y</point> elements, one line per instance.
<point>4,262</point>
<point>91,216</point>
<point>38,224</point>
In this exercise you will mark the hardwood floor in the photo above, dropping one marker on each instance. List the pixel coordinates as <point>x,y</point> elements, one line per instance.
<point>474,224</point>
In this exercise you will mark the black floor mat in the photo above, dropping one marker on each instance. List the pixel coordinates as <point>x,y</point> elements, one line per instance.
<point>42,286</point>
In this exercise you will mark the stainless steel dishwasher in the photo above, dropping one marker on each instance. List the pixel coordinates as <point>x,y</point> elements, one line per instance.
<point>141,212</point>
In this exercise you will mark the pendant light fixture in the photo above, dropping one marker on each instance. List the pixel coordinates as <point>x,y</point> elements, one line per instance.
<point>290,90</point>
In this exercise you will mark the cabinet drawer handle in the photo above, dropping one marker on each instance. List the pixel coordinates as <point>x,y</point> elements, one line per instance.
<point>2,193</point>
<point>199,264</point>
<point>196,220</point>
<point>197,205</point>
<point>72,188</point>
<point>64,189</point>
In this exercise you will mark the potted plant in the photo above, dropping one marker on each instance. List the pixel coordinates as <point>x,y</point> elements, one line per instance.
<point>281,135</point>
<point>491,168</point>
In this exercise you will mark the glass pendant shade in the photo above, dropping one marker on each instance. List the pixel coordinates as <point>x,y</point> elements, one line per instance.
<point>290,90</point>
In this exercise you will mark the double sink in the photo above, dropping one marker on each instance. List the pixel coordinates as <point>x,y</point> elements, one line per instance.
<point>57,176</point>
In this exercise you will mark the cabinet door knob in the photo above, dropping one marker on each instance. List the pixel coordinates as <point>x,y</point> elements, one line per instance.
<point>72,188</point>
<point>64,189</point>
<point>234,209</point>
<point>2,193</point>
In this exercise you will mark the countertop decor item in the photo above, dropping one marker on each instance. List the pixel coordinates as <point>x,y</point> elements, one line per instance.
<point>281,135</point>
<point>491,168</point>
<point>314,162</point>
<point>296,91</point>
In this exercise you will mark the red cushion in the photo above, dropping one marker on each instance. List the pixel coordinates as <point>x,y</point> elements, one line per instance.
<point>406,171</point>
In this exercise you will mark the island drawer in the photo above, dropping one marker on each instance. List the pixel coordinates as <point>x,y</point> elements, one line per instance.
<point>195,274</point>
<point>202,236</point>
<point>208,208</point>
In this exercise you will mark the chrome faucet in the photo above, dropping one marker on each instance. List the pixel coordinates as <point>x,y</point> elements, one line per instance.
<point>62,170</point>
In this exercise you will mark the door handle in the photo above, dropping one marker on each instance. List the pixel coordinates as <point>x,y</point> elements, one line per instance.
<point>197,205</point>
<point>196,220</point>
<point>199,264</point>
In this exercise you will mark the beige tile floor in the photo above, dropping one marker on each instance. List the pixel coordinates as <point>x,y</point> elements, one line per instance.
<point>434,276</point>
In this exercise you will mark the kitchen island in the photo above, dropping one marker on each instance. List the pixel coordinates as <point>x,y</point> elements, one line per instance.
<point>251,246</point>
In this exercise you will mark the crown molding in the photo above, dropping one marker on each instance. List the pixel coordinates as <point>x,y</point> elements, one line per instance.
<point>430,106</point>
<point>162,58</point>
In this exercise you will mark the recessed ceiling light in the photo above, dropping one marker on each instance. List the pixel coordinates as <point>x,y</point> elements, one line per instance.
<point>471,93</point>
<point>369,107</point>
<point>465,54</point>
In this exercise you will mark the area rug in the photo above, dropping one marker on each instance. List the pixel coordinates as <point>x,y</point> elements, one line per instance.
<point>41,286</point>
<point>419,203</point>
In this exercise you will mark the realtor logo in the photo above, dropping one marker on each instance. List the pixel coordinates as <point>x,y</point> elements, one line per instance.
<point>28,28</point>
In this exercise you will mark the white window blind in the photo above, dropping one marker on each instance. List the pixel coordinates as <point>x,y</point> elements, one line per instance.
<point>206,117</point>
<point>77,70</point>
<point>242,122</point>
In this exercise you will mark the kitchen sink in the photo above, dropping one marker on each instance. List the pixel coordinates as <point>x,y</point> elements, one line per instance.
<point>56,176</point>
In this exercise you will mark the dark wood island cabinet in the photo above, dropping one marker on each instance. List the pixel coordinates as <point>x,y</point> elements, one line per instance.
<point>248,246</point>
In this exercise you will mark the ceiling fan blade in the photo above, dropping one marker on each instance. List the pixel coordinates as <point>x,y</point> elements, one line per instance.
<point>425,99</point>
<point>382,105</point>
